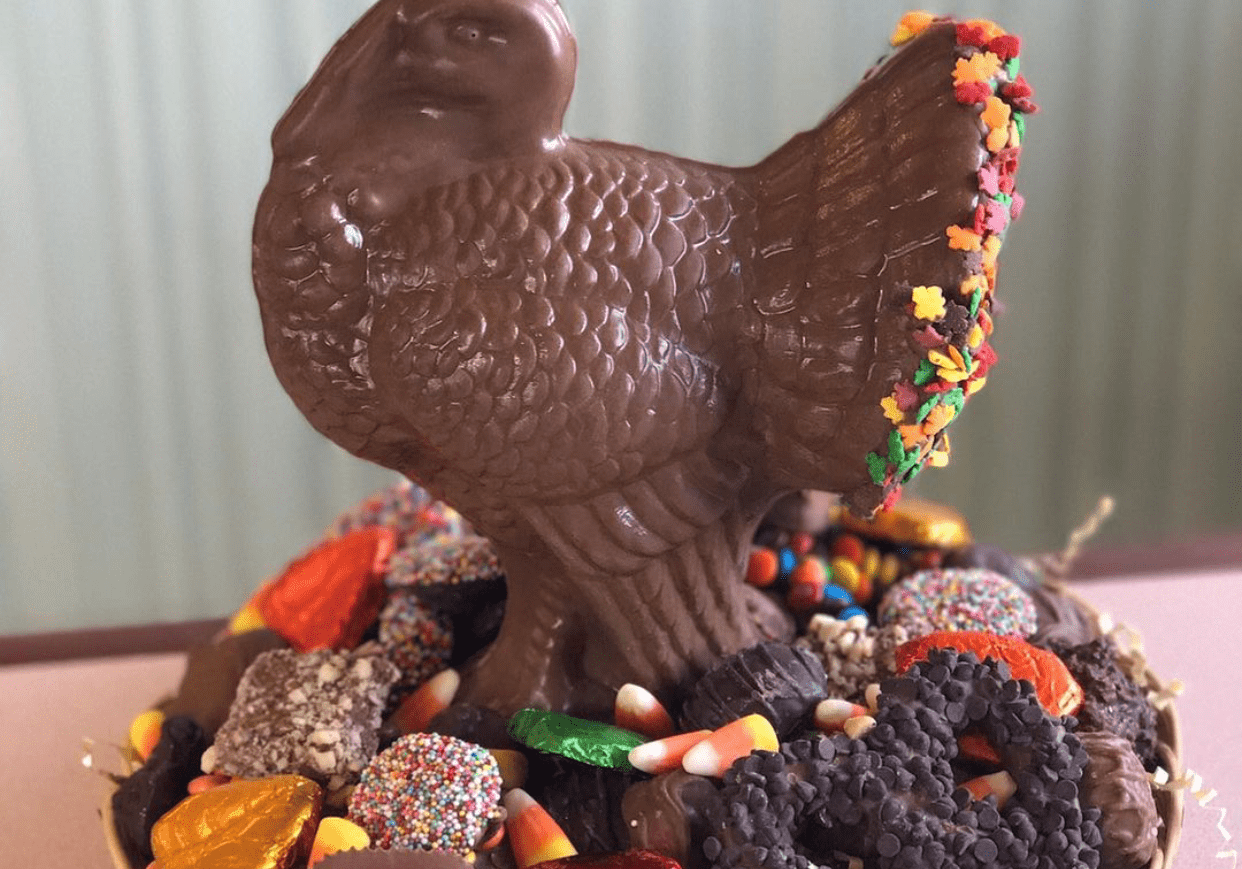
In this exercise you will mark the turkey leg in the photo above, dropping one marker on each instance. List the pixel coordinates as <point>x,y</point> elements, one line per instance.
<point>568,642</point>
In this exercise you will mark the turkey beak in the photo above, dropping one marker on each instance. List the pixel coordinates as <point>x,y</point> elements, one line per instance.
<point>348,67</point>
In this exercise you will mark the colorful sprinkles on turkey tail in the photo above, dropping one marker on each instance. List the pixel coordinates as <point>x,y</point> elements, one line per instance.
<point>954,323</point>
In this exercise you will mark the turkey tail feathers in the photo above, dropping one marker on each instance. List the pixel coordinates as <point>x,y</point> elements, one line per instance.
<point>852,217</point>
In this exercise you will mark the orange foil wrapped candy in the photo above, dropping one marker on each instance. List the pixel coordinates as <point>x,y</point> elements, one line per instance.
<point>259,824</point>
<point>329,597</point>
<point>1058,692</point>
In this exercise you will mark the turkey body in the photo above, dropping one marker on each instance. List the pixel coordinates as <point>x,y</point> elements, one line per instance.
<point>612,361</point>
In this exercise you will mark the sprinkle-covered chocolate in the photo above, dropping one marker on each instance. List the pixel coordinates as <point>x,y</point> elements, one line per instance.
<point>959,600</point>
<point>953,323</point>
<point>316,715</point>
<point>376,859</point>
<point>407,509</point>
<point>417,640</point>
<point>452,574</point>
<point>427,791</point>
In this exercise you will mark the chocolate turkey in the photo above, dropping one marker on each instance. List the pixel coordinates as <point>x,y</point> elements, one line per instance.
<point>612,361</point>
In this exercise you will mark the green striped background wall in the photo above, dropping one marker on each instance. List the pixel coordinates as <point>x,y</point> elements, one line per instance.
<point>153,469</point>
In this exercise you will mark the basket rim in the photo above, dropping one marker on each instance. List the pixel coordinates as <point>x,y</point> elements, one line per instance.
<point>1170,801</point>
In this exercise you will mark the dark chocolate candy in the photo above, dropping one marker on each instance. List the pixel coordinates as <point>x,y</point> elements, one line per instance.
<point>613,361</point>
<point>896,791</point>
<point>775,680</point>
<point>1062,621</point>
<point>474,631</point>
<point>473,724</point>
<point>1113,702</point>
<point>584,800</point>
<point>212,673</point>
<point>157,786</point>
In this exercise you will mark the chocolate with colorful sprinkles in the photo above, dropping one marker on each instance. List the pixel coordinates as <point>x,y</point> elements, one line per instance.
<point>427,791</point>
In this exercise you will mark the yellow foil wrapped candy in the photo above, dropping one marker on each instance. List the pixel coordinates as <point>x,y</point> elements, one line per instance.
<point>264,823</point>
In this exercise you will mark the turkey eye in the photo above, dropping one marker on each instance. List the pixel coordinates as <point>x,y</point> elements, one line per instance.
<point>476,33</point>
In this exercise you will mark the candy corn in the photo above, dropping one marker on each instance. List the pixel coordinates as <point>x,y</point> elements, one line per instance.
<point>858,726</point>
<point>336,835</point>
<point>665,755</point>
<point>144,732</point>
<point>716,753</point>
<point>513,767</point>
<point>431,698</point>
<point>872,695</point>
<point>534,836</point>
<point>831,714</point>
<point>207,782</point>
<point>637,709</point>
<point>247,619</point>
<point>1000,784</point>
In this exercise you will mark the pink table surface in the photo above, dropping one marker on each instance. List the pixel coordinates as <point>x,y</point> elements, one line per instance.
<point>50,817</point>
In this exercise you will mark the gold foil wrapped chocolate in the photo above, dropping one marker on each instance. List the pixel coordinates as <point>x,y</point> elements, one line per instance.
<point>256,824</point>
<point>912,522</point>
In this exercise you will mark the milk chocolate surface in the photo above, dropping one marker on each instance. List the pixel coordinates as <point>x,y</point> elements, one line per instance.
<point>1116,782</point>
<point>612,361</point>
<point>212,673</point>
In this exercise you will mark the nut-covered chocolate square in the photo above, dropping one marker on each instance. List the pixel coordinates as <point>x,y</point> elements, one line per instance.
<point>316,714</point>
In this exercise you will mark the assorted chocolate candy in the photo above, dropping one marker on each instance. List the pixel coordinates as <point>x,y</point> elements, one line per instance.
<point>880,737</point>
<point>315,714</point>
<point>913,722</point>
